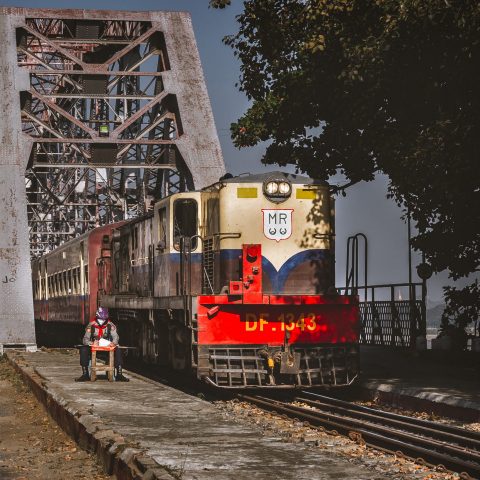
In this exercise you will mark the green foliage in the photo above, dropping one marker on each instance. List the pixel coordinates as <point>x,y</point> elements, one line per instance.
<point>456,333</point>
<point>220,3</point>
<point>367,86</point>
<point>462,305</point>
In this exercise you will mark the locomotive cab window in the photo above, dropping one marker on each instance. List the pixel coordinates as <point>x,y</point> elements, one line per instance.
<point>185,223</point>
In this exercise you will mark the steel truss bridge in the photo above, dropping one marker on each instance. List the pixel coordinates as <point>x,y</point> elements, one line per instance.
<point>103,113</point>
<point>104,120</point>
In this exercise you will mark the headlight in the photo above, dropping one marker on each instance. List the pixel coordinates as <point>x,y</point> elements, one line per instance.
<point>277,190</point>
<point>271,188</point>
<point>284,188</point>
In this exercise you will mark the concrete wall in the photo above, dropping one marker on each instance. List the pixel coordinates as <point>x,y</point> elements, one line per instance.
<point>16,301</point>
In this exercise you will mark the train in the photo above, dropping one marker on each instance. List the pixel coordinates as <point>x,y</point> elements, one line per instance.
<point>233,285</point>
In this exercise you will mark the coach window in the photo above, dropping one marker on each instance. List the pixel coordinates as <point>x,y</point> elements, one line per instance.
<point>86,278</point>
<point>76,280</point>
<point>134,238</point>
<point>79,281</point>
<point>73,280</point>
<point>70,281</point>
<point>184,221</point>
<point>162,229</point>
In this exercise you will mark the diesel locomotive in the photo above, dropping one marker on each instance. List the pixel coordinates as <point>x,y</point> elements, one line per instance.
<point>233,284</point>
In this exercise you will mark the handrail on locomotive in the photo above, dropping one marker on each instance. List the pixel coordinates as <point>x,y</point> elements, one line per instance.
<point>351,271</point>
<point>186,252</point>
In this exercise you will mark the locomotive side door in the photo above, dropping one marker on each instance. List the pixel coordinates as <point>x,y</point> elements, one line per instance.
<point>176,217</point>
<point>185,230</point>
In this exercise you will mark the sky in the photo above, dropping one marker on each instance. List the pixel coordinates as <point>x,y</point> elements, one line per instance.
<point>365,209</point>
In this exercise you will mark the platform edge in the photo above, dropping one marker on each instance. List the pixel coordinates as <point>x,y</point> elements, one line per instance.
<point>113,453</point>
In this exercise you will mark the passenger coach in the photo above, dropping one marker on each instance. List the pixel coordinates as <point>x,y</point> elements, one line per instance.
<point>66,285</point>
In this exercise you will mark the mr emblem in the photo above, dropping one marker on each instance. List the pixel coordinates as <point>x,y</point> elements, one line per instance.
<point>277,224</point>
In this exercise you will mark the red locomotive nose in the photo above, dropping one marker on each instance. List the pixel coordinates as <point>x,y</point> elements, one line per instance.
<point>252,252</point>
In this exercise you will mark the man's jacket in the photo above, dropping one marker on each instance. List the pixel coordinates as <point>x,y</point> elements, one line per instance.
<point>94,331</point>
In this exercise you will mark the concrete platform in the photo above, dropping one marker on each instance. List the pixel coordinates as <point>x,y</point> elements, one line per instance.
<point>146,430</point>
<point>437,382</point>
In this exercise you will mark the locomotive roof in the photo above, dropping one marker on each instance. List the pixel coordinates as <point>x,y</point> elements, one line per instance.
<point>261,177</point>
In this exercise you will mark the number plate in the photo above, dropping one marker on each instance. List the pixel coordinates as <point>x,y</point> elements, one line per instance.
<point>303,322</point>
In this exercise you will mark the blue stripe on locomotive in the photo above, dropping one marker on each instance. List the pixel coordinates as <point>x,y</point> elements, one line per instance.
<point>278,278</point>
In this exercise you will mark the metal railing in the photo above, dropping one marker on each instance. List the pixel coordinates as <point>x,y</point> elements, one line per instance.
<point>390,315</point>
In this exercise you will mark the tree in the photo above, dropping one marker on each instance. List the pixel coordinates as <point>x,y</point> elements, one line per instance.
<point>367,86</point>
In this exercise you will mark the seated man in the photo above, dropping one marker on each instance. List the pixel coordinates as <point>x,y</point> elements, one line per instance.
<point>99,328</point>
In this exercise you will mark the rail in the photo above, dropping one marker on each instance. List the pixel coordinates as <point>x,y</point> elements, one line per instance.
<point>430,443</point>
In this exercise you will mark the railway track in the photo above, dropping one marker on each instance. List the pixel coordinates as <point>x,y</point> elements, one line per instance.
<point>428,443</point>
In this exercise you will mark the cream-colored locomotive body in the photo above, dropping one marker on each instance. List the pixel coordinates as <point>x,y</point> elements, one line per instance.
<point>296,231</point>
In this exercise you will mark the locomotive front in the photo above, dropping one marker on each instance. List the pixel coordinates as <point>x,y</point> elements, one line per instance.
<point>270,315</point>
